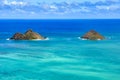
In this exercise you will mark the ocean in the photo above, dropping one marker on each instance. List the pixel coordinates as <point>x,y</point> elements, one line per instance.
<point>63,56</point>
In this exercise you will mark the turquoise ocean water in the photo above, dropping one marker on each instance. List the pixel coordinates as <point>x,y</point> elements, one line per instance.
<point>63,56</point>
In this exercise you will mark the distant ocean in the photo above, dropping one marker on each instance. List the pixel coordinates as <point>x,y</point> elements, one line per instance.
<point>63,56</point>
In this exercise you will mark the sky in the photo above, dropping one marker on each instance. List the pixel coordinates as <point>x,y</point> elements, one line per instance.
<point>59,9</point>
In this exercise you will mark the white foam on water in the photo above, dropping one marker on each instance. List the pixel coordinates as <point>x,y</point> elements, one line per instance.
<point>86,39</point>
<point>8,39</point>
<point>47,38</point>
<point>98,39</point>
<point>81,38</point>
<point>33,39</point>
<point>40,39</point>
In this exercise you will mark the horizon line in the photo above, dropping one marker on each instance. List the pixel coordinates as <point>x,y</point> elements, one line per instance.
<point>58,19</point>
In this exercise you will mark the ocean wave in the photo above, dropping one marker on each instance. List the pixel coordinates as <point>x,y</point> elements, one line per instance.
<point>33,39</point>
<point>68,39</point>
<point>86,39</point>
<point>81,38</point>
<point>40,39</point>
<point>8,39</point>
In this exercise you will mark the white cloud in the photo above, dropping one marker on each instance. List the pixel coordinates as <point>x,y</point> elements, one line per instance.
<point>53,7</point>
<point>32,12</point>
<point>113,6</point>
<point>20,10</point>
<point>103,7</point>
<point>18,3</point>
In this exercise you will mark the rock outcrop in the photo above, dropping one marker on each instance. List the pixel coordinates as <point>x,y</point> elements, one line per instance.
<point>18,36</point>
<point>93,35</point>
<point>28,35</point>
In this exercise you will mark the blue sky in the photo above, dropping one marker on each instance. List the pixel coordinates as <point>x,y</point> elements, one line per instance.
<point>59,9</point>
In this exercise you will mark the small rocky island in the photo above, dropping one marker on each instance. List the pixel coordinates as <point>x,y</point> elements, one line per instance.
<point>28,35</point>
<point>93,35</point>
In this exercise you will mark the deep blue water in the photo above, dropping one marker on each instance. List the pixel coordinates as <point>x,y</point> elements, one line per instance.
<point>64,56</point>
